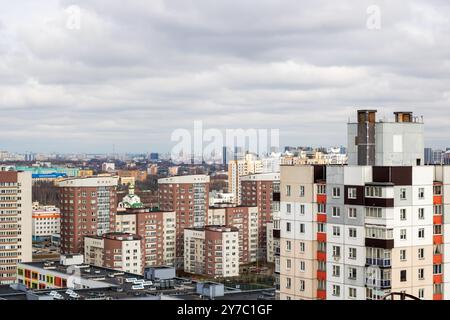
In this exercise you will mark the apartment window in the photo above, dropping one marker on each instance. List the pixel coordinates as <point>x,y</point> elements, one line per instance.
<point>437,269</point>
<point>321,189</point>
<point>421,273</point>
<point>302,247</point>
<point>352,213</point>
<point>302,266</point>
<point>437,190</point>
<point>403,255</point>
<point>302,209</point>
<point>302,285</point>
<point>322,266</point>
<point>421,233</point>
<point>402,234</point>
<point>374,192</point>
<point>336,271</point>
<point>288,264</point>
<point>321,227</point>
<point>421,293</point>
<point>288,245</point>
<point>288,190</point>
<point>288,226</point>
<point>403,194</point>
<point>302,191</point>
<point>352,253</point>
<point>421,253</point>
<point>403,275</point>
<point>437,229</point>
<point>336,213</point>
<point>402,214</point>
<point>302,228</point>
<point>421,213</point>
<point>438,209</point>
<point>352,293</point>
<point>421,193</point>
<point>336,251</point>
<point>352,273</point>
<point>437,249</point>
<point>322,246</point>
<point>336,231</point>
<point>288,283</point>
<point>375,213</point>
<point>321,208</point>
<point>352,232</point>
<point>336,192</point>
<point>288,208</point>
<point>352,193</point>
<point>336,291</point>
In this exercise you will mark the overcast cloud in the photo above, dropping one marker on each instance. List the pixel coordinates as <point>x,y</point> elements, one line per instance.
<point>137,70</point>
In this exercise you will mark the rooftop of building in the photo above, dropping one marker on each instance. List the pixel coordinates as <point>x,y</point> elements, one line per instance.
<point>122,236</point>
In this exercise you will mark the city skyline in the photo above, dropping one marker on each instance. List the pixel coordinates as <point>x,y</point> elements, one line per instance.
<point>131,75</point>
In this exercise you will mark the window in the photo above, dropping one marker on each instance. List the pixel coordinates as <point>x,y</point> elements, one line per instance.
<point>336,192</point>
<point>352,273</point>
<point>403,275</point>
<point>321,227</point>
<point>421,293</point>
<point>302,266</point>
<point>402,214</point>
<point>288,245</point>
<point>302,209</point>
<point>421,213</point>
<point>375,213</point>
<point>302,247</point>
<point>421,253</point>
<point>322,246</point>
<point>336,271</point>
<point>288,208</point>
<point>288,226</point>
<point>437,190</point>
<point>421,193</point>
<point>437,269</point>
<point>288,264</point>
<point>321,189</point>
<point>302,191</point>
<point>288,283</point>
<point>352,293</point>
<point>402,234</point>
<point>437,229</point>
<point>438,209</point>
<point>302,285</point>
<point>336,231</point>
<point>374,192</point>
<point>336,291</point>
<point>352,232</point>
<point>336,212</point>
<point>321,208</point>
<point>403,194</point>
<point>421,273</point>
<point>288,190</point>
<point>302,228</point>
<point>336,251</point>
<point>352,253</point>
<point>352,213</point>
<point>352,193</point>
<point>421,233</point>
<point>403,255</point>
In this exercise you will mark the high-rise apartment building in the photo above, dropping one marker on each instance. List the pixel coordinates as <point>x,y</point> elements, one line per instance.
<point>243,167</point>
<point>212,251</point>
<point>157,230</point>
<point>188,197</point>
<point>15,223</point>
<point>262,191</point>
<point>88,208</point>
<point>115,250</point>
<point>246,220</point>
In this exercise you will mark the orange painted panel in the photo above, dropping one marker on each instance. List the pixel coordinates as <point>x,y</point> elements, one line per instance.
<point>437,199</point>
<point>321,275</point>
<point>438,297</point>
<point>437,278</point>
<point>321,198</point>
<point>322,237</point>
<point>437,259</point>
<point>321,256</point>
<point>321,294</point>
<point>438,239</point>
<point>322,217</point>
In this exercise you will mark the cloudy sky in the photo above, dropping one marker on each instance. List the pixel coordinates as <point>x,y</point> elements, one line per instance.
<point>133,71</point>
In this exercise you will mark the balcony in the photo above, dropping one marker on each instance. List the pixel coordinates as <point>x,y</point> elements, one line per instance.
<point>321,275</point>
<point>437,200</point>
<point>321,294</point>
<point>321,237</point>
<point>322,198</point>
<point>378,262</point>
<point>383,284</point>
<point>438,279</point>
<point>438,296</point>
<point>379,243</point>
<point>322,217</point>
<point>438,239</point>
<point>437,219</point>
<point>321,256</point>
<point>437,259</point>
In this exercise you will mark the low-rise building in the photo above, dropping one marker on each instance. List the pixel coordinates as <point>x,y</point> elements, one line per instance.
<point>46,221</point>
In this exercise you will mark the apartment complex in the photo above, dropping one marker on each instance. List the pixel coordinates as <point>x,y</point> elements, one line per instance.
<point>46,221</point>
<point>157,230</point>
<point>246,220</point>
<point>262,191</point>
<point>15,223</point>
<point>187,196</point>
<point>88,207</point>
<point>368,229</point>
<point>212,251</point>
<point>115,250</point>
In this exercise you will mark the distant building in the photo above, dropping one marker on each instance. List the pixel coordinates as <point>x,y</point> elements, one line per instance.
<point>108,167</point>
<point>46,221</point>
<point>154,156</point>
